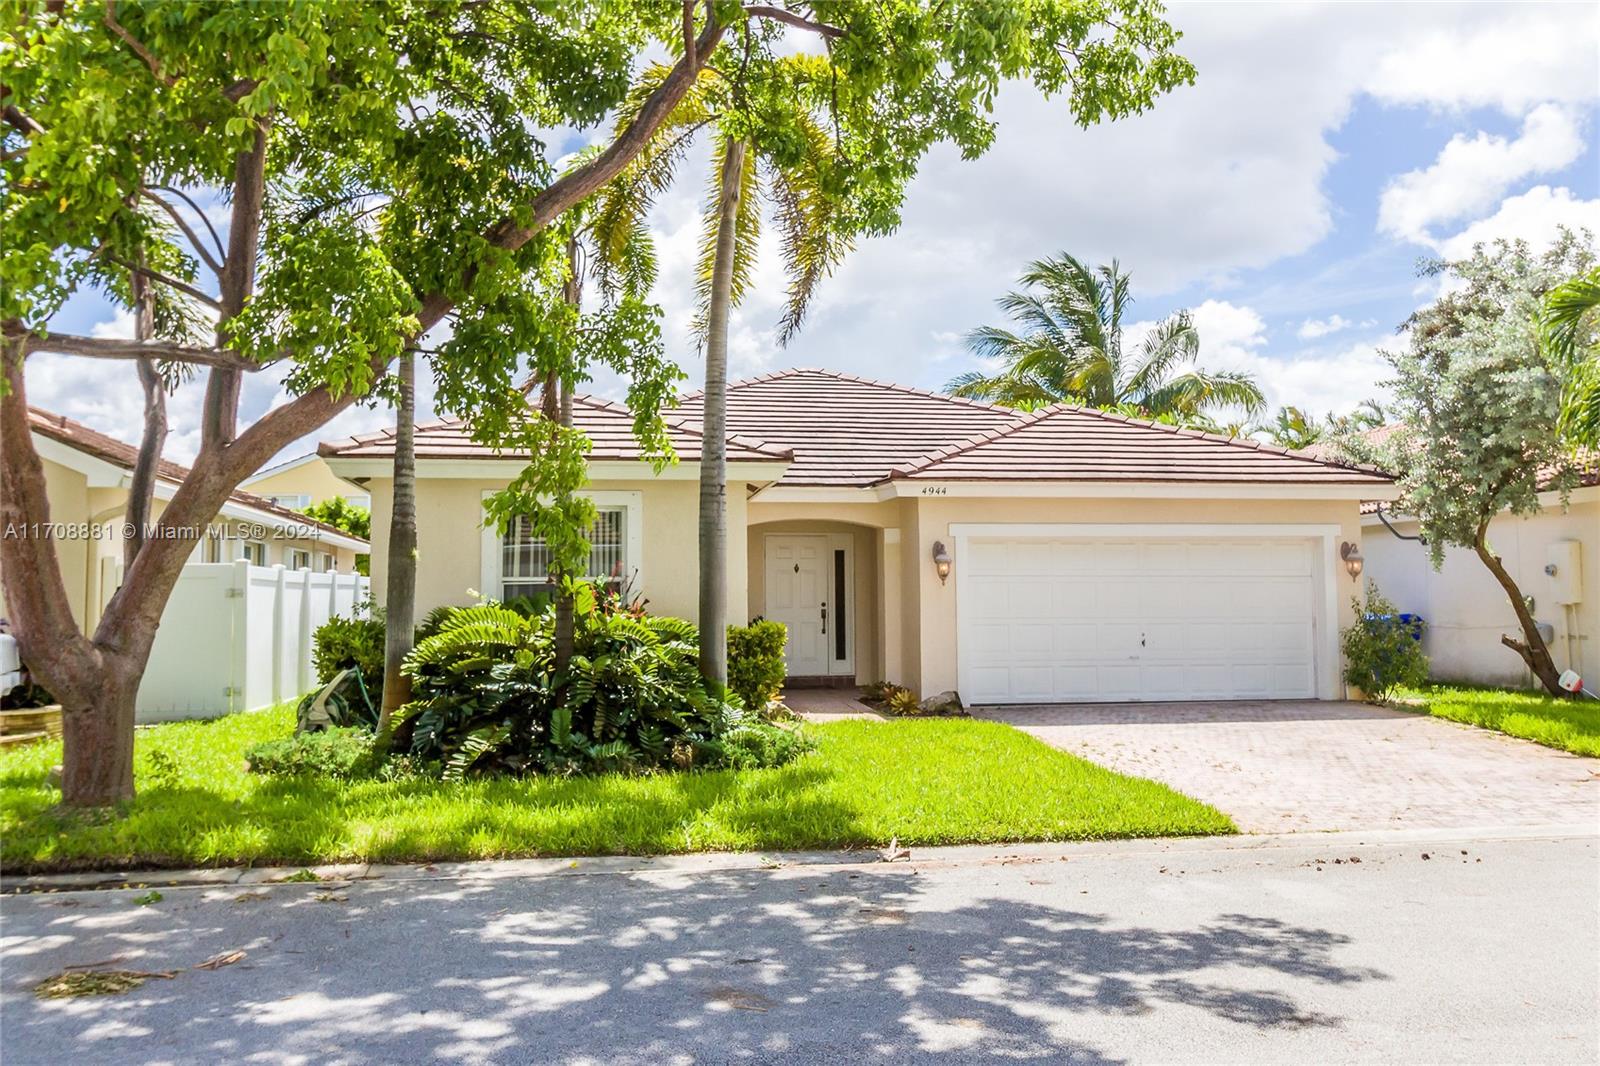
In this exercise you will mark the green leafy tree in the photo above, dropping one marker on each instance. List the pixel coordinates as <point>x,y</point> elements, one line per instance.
<point>1571,330</point>
<point>1479,398</point>
<point>340,513</point>
<point>1293,428</point>
<point>381,170</point>
<point>1069,347</point>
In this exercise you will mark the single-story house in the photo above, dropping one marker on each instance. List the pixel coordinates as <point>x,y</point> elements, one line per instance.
<point>87,475</point>
<point>302,481</point>
<point>943,544</point>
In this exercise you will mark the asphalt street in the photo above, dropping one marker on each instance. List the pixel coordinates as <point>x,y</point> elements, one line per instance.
<point>1312,950</point>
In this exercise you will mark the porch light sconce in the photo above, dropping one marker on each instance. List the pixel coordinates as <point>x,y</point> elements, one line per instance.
<point>941,561</point>
<point>1353,562</point>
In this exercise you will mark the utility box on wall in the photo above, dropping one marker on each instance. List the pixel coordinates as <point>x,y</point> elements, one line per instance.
<point>1564,565</point>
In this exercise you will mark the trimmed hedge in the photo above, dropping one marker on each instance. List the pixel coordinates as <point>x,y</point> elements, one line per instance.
<point>755,662</point>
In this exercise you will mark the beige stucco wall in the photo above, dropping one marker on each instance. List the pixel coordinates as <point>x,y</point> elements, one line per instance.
<point>1465,607</point>
<point>70,500</point>
<point>450,541</point>
<point>866,611</point>
<point>929,608</point>
<point>313,479</point>
<point>89,562</point>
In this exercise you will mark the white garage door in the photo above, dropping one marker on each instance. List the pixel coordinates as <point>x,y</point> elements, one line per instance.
<point>1070,620</point>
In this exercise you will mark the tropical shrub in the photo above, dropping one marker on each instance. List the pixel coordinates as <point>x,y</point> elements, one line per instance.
<point>487,699</point>
<point>755,662</point>
<point>341,643</point>
<point>1383,650</point>
<point>338,753</point>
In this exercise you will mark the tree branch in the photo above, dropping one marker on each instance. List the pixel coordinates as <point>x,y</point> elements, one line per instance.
<point>122,348</point>
<point>186,198</point>
<point>133,42</point>
<point>292,420</point>
<point>194,240</point>
<point>791,18</point>
<point>172,282</point>
<point>220,415</point>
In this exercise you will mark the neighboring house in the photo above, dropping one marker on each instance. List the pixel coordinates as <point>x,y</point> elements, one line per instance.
<point>1465,608</point>
<point>944,544</point>
<point>87,475</point>
<point>299,483</point>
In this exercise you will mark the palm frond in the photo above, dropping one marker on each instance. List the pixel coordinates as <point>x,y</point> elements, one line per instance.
<point>1171,341</point>
<point>746,234</point>
<point>814,238</point>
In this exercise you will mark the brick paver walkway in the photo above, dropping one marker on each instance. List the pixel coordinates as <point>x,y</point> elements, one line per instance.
<point>1285,767</point>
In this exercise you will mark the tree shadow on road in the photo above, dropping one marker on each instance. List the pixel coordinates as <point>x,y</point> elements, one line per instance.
<point>805,963</point>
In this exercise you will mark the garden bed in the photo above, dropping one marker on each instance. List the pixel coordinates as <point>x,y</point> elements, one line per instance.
<point>925,782</point>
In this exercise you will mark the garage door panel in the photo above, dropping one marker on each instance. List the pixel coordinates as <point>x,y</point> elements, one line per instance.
<point>1132,619</point>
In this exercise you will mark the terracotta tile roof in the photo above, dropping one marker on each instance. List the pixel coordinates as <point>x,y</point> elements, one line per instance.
<point>608,425</point>
<point>847,430</point>
<point>1070,443</point>
<point>89,441</point>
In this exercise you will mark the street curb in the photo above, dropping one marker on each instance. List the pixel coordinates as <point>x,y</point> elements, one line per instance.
<point>744,861</point>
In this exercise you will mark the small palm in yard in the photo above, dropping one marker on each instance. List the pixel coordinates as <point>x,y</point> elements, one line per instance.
<point>1069,347</point>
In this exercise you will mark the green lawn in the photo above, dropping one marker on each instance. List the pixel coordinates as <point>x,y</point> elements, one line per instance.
<point>928,781</point>
<point>1567,724</point>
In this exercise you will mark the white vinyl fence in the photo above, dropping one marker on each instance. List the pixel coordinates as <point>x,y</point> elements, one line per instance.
<point>236,637</point>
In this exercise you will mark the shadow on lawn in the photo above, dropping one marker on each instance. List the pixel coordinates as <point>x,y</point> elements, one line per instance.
<point>646,968</point>
<point>312,820</point>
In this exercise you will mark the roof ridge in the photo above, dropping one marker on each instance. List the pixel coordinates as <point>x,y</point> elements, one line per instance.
<point>938,455</point>
<point>841,375</point>
<point>1034,417</point>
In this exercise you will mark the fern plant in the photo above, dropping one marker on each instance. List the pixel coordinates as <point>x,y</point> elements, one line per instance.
<point>488,698</point>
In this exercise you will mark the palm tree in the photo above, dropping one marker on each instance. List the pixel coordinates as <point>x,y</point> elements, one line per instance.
<point>400,596</point>
<point>1571,330</point>
<point>792,175</point>
<point>1293,428</point>
<point>1070,348</point>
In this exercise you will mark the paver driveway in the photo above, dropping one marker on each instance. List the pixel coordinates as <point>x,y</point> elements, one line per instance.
<point>1285,767</point>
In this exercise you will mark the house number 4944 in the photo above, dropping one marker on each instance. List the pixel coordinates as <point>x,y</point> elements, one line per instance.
<point>935,490</point>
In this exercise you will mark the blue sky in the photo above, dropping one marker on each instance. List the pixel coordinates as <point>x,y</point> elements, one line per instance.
<point>1284,199</point>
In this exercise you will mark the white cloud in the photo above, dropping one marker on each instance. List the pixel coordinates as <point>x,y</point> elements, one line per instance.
<point>1234,337</point>
<point>118,327</point>
<point>1312,328</point>
<point>1511,58</point>
<point>1534,216</point>
<point>1471,174</point>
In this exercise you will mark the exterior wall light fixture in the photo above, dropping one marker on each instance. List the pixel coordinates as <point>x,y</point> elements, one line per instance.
<point>1353,562</point>
<point>941,561</point>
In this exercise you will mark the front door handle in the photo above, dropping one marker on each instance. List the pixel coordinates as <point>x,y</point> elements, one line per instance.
<point>824,619</point>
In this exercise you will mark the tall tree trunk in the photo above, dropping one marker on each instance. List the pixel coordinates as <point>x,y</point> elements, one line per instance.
<point>142,487</point>
<point>400,602</point>
<point>1532,647</point>
<point>714,434</point>
<point>565,637</point>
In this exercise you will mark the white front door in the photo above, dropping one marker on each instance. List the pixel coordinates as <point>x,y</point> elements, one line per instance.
<point>1045,620</point>
<point>798,583</point>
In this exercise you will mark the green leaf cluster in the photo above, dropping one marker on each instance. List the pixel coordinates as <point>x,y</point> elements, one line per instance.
<point>490,700</point>
<point>1479,394</point>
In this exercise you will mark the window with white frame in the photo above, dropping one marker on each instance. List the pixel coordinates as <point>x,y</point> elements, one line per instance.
<point>293,501</point>
<point>299,559</point>
<point>325,562</point>
<point>525,558</point>
<point>359,499</point>
<point>253,550</point>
